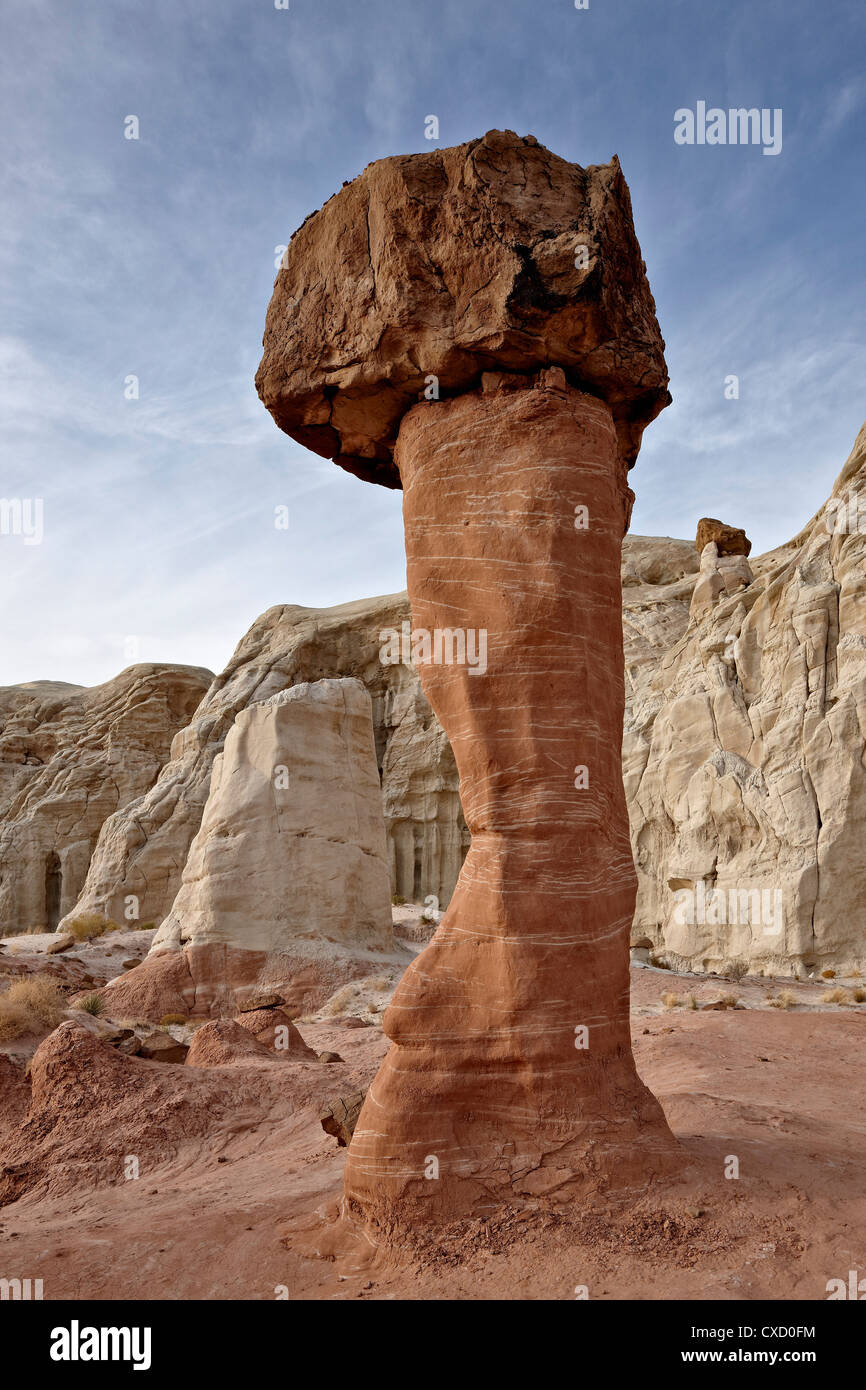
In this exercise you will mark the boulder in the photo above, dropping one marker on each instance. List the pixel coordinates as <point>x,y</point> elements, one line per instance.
<point>439,265</point>
<point>162,1047</point>
<point>260,1001</point>
<point>223,1043</point>
<point>63,943</point>
<point>276,1032</point>
<point>729,540</point>
<point>341,1115</point>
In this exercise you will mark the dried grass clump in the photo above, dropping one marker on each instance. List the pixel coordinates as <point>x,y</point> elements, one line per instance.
<point>785,999</point>
<point>90,925</point>
<point>836,996</point>
<point>35,1004</point>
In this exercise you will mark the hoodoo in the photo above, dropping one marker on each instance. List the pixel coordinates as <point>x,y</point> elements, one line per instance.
<point>475,326</point>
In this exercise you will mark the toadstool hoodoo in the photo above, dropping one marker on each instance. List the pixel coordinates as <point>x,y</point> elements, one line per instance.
<point>475,325</point>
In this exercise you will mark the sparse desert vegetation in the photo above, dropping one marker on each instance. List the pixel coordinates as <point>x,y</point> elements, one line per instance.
<point>785,999</point>
<point>91,1004</point>
<point>90,925</point>
<point>836,996</point>
<point>31,1005</point>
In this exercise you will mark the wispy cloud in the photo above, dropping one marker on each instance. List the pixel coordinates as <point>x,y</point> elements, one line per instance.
<point>154,259</point>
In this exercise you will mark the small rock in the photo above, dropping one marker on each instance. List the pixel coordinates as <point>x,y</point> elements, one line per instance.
<point>330,1057</point>
<point>63,943</point>
<point>355,1023</point>
<point>162,1047</point>
<point>341,1117</point>
<point>129,964</point>
<point>261,1001</point>
<point>551,379</point>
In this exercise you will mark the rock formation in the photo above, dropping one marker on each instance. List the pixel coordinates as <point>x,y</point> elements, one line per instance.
<point>743,759</point>
<point>724,567</point>
<point>286,883</point>
<point>515,281</point>
<point>69,758</point>
<point>142,850</point>
<point>729,540</point>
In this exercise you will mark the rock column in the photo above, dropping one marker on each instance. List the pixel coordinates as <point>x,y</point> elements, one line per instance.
<point>511,1075</point>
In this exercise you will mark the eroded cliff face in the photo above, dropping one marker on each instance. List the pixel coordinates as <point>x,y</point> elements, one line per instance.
<point>143,849</point>
<point>69,757</point>
<point>743,757</point>
<point>744,764</point>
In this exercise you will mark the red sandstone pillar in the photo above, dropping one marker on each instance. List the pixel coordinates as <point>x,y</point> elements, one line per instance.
<point>511,1073</point>
<point>511,1076</point>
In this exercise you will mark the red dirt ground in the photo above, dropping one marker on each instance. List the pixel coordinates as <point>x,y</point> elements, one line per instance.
<point>239,1185</point>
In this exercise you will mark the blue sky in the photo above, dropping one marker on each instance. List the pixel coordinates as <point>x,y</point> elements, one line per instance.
<point>155,258</point>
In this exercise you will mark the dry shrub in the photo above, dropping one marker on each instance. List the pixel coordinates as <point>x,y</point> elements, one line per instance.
<point>90,925</point>
<point>786,999</point>
<point>836,996</point>
<point>169,1020</point>
<point>671,1000</point>
<point>859,996</point>
<point>33,1005</point>
<point>828,974</point>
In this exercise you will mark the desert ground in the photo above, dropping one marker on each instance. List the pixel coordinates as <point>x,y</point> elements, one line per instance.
<point>239,1186</point>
